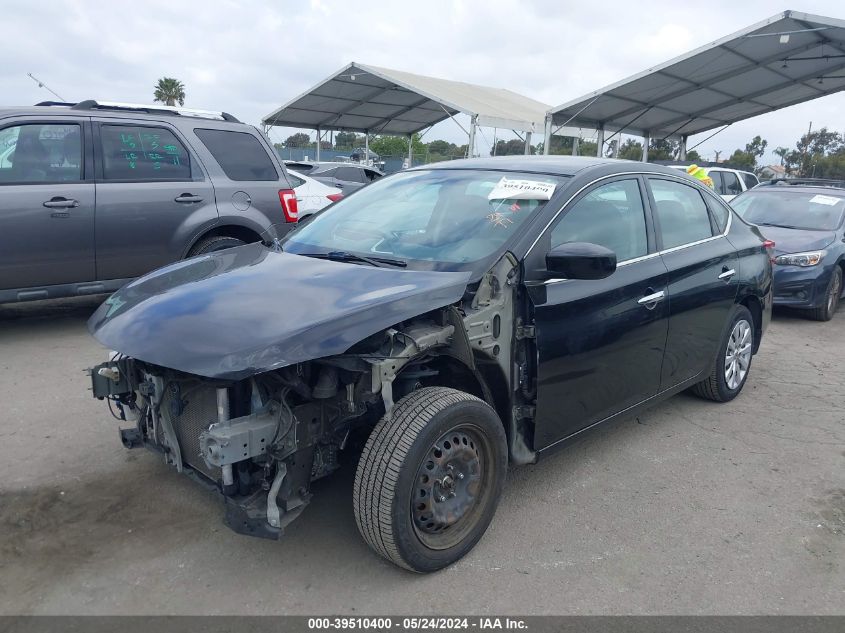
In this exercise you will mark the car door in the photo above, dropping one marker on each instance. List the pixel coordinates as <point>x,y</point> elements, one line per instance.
<point>731,187</point>
<point>46,202</point>
<point>703,277</point>
<point>600,343</point>
<point>153,197</point>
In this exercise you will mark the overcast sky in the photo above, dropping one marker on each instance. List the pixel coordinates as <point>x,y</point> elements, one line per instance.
<point>249,57</point>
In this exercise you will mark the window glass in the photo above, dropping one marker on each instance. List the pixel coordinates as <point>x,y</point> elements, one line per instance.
<point>732,186</point>
<point>750,180</point>
<point>137,152</point>
<point>350,174</point>
<point>718,183</point>
<point>719,211</point>
<point>785,207</point>
<point>610,215</point>
<point>294,181</point>
<point>329,173</point>
<point>240,155</point>
<point>41,153</point>
<point>681,213</point>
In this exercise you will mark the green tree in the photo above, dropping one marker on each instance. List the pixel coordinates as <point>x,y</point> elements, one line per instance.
<point>747,158</point>
<point>348,140</point>
<point>631,150</point>
<point>816,154</point>
<point>693,156</point>
<point>169,91</point>
<point>662,149</point>
<point>300,139</point>
<point>509,148</point>
<point>387,145</point>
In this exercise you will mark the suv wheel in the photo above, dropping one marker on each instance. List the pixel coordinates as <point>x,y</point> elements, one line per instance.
<point>430,478</point>
<point>831,301</point>
<point>733,361</point>
<point>214,243</point>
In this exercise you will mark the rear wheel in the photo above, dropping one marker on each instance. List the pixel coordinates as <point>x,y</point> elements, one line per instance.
<point>213,244</point>
<point>834,291</point>
<point>430,478</point>
<point>733,361</point>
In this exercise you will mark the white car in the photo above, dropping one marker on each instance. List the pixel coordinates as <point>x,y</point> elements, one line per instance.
<point>727,182</point>
<point>311,195</point>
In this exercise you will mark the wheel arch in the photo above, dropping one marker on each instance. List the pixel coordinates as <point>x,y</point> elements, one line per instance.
<point>243,233</point>
<point>755,307</point>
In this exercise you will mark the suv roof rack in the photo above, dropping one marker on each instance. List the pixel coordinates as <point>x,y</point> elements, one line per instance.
<point>807,182</point>
<point>54,103</point>
<point>92,104</point>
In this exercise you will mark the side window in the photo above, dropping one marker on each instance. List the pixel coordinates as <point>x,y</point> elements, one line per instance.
<point>681,213</point>
<point>329,173</point>
<point>370,175</point>
<point>293,180</point>
<point>718,183</point>
<point>611,215</point>
<point>240,155</point>
<point>138,152</point>
<point>34,153</point>
<point>719,211</point>
<point>732,186</point>
<point>349,174</point>
<point>750,180</point>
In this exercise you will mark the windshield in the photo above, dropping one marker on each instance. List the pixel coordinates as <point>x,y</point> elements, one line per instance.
<point>791,209</point>
<point>446,216</point>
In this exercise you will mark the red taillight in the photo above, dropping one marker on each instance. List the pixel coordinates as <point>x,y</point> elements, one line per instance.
<point>768,244</point>
<point>287,197</point>
<point>334,197</point>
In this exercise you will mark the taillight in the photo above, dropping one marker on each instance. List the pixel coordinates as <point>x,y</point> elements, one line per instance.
<point>287,197</point>
<point>769,245</point>
<point>334,197</point>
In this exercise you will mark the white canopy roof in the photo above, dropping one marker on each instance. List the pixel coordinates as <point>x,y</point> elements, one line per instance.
<point>789,58</point>
<point>365,98</point>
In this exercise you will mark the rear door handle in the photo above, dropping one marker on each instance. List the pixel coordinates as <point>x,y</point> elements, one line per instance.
<point>727,273</point>
<point>649,301</point>
<point>61,203</point>
<point>187,198</point>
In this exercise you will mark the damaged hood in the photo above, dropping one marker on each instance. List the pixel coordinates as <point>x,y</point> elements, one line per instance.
<point>251,309</point>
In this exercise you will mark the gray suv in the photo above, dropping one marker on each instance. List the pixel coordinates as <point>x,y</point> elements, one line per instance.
<point>94,194</point>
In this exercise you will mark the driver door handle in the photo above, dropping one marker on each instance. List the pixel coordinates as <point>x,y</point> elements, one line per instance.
<point>727,273</point>
<point>61,203</point>
<point>650,301</point>
<point>187,198</point>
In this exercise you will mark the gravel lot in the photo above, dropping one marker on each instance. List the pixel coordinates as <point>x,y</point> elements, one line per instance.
<point>693,508</point>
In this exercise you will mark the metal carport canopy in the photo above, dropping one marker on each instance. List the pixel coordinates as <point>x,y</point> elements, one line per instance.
<point>788,59</point>
<point>363,98</point>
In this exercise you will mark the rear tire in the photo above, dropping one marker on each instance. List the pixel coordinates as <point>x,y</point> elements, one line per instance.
<point>831,302</point>
<point>733,361</point>
<point>213,244</point>
<point>429,478</point>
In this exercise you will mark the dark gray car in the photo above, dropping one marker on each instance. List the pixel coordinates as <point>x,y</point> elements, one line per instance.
<point>346,176</point>
<point>95,194</point>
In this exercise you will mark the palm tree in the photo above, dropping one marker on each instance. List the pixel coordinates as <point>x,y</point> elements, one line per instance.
<point>169,91</point>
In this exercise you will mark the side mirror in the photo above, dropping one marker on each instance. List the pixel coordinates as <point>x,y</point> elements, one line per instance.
<point>581,260</point>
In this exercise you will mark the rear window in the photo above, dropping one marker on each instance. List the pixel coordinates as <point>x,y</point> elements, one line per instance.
<point>240,155</point>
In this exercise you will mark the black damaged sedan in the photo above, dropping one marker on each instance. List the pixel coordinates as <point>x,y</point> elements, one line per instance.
<point>451,319</point>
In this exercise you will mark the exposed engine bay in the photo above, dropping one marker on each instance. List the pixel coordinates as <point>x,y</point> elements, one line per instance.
<point>262,440</point>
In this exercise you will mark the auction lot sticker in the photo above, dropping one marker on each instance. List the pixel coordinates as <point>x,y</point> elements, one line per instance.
<point>521,189</point>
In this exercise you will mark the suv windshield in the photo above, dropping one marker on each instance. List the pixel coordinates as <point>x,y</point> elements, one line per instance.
<point>792,209</point>
<point>442,216</point>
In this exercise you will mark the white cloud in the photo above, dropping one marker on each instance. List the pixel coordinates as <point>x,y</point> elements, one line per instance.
<point>249,57</point>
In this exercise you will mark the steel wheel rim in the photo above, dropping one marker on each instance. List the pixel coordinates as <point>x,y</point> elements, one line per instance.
<point>738,354</point>
<point>451,487</point>
<point>834,292</point>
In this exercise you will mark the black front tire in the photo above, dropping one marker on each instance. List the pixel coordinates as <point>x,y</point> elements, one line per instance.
<point>831,300</point>
<point>394,498</point>
<point>715,387</point>
<point>213,244</point>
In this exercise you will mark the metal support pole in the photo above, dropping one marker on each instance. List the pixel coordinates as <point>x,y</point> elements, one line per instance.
<point>575,140</point>
<point>367,147</point>
<point>528,143</point>
<point>600,141</point>
<point>547,134</point>
<point>318,145</point>
<point>646,141</point>
<point>682,152</point>
<point>471,146</point>
<point>410,150</point>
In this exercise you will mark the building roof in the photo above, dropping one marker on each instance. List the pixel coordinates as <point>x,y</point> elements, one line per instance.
<point>365,98</point>
<point>788,59</point>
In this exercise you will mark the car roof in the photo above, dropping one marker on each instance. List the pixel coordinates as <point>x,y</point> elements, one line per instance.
<point>554,165</point>
<point>817,189</point>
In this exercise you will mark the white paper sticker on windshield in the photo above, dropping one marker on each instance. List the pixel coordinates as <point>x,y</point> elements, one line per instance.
<point>828,200</point>
<point>521,189</point>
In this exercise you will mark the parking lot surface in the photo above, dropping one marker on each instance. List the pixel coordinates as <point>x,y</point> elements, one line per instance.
<point>691,508</point>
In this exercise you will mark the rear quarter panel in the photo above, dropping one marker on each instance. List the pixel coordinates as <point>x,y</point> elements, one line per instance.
<point>755,266</point>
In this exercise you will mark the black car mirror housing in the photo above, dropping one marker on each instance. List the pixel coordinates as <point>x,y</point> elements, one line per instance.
<point>581,260</point>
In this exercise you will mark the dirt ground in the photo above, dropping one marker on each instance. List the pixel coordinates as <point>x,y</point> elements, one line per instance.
<point>692,508</point>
